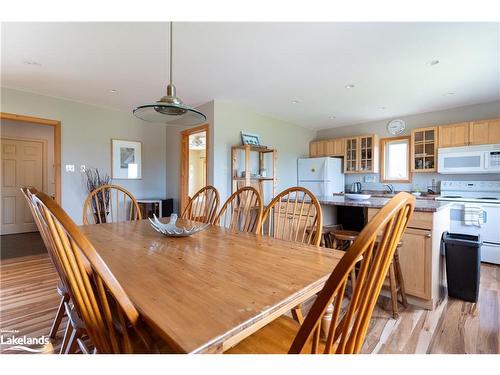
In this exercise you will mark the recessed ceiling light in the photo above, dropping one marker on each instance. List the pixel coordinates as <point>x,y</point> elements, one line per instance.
<point>113,91</point>
<point>350,86</point>
<point>450,93</point>
<point>433,62</point>
<point>34,63</point>
<point>331,117</point>
<point>295,101</point>
<point>381,107</point>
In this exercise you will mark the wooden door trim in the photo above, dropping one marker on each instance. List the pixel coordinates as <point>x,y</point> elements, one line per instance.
<point>184,156</point>
<point>57,143</point>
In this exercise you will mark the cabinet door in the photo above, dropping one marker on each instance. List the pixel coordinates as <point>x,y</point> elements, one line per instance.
<point>316,149</point>
<point>454,135</point>
<point>484,132</point>
<point>424,149</point>
<point>330,147</point>
<point>415,257</point>
<point>351,155</point>
<point>338,147</point>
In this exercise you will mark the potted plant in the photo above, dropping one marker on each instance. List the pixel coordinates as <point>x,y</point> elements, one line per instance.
<point>94,181</point>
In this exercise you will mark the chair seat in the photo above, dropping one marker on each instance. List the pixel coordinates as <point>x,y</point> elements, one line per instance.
<point>344,235</point>
<point>274,338</point>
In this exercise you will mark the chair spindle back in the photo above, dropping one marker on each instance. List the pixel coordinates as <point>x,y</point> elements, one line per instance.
<point>242,211</point>
<point>203,206</point>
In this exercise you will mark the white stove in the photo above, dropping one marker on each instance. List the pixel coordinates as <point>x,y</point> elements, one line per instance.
<point>486,194</point>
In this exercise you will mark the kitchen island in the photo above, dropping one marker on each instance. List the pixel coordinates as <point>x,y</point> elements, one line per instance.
<point>420,256</point>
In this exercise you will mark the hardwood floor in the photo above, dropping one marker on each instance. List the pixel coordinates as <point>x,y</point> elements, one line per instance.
<point>28,302</point>
<point>21,244</point>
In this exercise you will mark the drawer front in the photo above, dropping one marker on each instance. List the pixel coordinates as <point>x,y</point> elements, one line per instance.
<point>419,220</point>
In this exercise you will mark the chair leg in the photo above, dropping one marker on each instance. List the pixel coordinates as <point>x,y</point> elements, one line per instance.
<point>72,343</point>
<point>394,294</point>
<point>67,334</point>
<point>401,282</point>
<point>59,316</point>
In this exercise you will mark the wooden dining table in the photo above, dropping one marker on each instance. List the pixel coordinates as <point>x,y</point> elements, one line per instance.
<point>207,292</point>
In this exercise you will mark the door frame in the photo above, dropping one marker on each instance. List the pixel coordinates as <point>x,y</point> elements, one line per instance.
<point>184,173</point>
<point>57,143</point>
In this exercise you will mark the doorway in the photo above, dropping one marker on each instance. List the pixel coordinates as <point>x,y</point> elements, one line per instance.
<point>30,156</point>
<point>194,165</point>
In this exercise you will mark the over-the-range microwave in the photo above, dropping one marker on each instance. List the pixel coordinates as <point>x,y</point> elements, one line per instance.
<point>469,159</point>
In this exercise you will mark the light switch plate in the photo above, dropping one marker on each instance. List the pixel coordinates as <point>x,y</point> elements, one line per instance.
<point>370,178</point>
<point>82,168</point>
<point>70,168</point>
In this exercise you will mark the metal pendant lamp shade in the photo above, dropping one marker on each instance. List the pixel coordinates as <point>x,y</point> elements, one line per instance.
<point>170,109</point>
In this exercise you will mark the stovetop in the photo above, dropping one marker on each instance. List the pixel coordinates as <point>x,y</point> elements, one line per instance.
<point>470,191</point>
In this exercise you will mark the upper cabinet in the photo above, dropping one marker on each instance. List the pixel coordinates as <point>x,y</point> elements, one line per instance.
<point>361,154</point>
<point>329,147</point>
<point>484,132</point>
<point>470,133</point>
<point>424,149</point>
<point>454,135</point>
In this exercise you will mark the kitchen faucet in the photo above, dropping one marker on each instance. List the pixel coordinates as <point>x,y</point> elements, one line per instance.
<point>390,187</point>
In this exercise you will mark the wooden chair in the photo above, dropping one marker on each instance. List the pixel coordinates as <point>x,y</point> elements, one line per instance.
<point>110,204</point>
<point>342,239</point>
<point>111,321</point>
<point>242,211</point>
<point>203,206</point>
<point>62,289</point>
<point>349,325</point>
<point>294,215</point>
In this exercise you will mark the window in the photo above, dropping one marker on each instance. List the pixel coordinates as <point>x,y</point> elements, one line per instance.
<point>395,159</point>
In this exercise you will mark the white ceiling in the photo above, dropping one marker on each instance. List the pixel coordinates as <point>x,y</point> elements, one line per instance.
<point>264,66</point>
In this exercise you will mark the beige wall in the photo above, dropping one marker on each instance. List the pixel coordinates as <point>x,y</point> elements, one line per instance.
<point>86,133</point>
<point>291,141</point>
<point>420,180</point>
<point>196,170</point>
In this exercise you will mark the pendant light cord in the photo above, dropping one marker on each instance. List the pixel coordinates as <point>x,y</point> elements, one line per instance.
<point>171,58</point>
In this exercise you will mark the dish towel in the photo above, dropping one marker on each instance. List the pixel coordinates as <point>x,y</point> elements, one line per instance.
<point>473,215</point>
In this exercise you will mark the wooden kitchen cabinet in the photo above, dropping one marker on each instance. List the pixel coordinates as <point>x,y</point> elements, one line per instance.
<point>484,132</point>
<point>361,154</point>
<point>317,149</point>
<point>454,135</point>
<point>424,144</point>
<point>416,253</point>
<point>329,147</point>
<point>415,256</point>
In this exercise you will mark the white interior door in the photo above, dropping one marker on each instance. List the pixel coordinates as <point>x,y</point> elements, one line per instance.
<point>22,165</point>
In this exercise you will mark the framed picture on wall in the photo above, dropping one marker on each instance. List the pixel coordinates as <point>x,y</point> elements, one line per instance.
<point>126,159</point>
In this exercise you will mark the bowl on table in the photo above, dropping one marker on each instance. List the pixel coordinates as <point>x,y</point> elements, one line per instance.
<point>357,196</point>
<point>172,230</point>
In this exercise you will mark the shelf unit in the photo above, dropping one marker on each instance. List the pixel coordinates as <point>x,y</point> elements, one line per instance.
<point>257,182</point>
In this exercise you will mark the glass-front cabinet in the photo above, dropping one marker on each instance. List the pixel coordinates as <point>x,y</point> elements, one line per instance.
<point>361,154</point>
<point>351,155</point>
<point>424,149</point>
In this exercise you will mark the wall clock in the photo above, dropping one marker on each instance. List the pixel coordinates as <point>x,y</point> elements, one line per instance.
<point>396,127</point>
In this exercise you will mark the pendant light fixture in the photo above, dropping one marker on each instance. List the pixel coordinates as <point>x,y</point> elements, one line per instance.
<point>170,109</point>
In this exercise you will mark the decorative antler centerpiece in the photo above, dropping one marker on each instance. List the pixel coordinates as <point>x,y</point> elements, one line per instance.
<point>171,229</point>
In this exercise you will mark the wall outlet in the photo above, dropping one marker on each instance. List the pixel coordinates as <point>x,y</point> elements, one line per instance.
<point>70,168</point>
<point>82,168</point>
<point>370,178</point>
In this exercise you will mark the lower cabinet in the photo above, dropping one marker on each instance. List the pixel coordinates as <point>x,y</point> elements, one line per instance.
<point>415,257</point>
<point>415,254</point>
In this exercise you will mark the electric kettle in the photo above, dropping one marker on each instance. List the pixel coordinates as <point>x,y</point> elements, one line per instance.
<point>356,187</point>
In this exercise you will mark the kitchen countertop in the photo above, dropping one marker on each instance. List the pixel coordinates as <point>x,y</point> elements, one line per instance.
<point>421,205</point>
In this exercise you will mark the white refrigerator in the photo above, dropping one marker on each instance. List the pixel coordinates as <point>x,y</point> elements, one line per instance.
<point>322,176</point>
